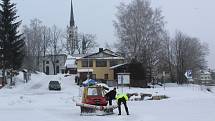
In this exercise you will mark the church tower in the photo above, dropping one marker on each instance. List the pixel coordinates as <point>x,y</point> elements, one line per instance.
<point>72,34</point>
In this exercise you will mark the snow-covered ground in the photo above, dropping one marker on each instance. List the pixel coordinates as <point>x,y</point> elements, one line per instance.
<point>34,102</point>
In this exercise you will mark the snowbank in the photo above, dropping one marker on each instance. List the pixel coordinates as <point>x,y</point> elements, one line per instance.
<point>34,102</point>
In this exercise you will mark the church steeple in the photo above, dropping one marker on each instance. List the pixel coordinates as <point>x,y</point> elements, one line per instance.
<point>72,40</point>
<point>72,22</point>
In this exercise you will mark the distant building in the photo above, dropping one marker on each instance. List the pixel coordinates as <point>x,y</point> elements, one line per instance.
<point>136,72</point>
<point>97,65</point>
<point>71,64</point>
<point>53,64</point>
<point>205,77</point>
<point>212,74</point>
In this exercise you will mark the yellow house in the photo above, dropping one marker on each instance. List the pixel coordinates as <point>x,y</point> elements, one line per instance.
<point>97,65</point>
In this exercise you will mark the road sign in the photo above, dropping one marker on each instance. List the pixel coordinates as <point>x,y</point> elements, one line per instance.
<point>123,78</point>
<point>188,74</point>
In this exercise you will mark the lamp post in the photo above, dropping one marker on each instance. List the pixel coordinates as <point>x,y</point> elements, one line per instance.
<point>164,74</point>
<point>88,64</point>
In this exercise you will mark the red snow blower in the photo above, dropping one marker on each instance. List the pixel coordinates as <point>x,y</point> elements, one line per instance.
<point>94,101</point>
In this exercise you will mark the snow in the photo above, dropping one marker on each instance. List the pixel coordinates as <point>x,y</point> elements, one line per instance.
<point>85,70</point>
<point>113,67</point>
<point>70,62</point>
<point>117,58</point>
<point>34,102</point>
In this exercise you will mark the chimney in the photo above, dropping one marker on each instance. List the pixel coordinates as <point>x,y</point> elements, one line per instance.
<point>100,49</point>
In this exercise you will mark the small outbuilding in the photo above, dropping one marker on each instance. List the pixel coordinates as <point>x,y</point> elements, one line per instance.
<point>136,72</point>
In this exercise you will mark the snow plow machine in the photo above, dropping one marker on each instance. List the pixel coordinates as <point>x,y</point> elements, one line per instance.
<point>94,102</point>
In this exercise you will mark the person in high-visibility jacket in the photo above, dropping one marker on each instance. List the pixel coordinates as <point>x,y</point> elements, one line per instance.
<point>122,98</point>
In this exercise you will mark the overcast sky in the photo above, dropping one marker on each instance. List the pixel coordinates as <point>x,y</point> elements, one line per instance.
<point>193,17</point>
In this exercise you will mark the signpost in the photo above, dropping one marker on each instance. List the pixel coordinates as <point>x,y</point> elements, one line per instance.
<point>123,78</point>
<point>188,74</point>
<point>164,74</point>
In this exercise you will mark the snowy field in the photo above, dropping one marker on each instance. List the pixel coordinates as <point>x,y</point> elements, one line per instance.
<point>34,102</point>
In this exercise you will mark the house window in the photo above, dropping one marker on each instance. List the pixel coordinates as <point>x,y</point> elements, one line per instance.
<point>84,63</point>
<point>47,62</point>
<point>62,71</point>
<point>93,92</point>
<point>47,70</point>
<point>57,69</point>
<point>101,63</point>
<point>106,76</point>
<point>113,62</point>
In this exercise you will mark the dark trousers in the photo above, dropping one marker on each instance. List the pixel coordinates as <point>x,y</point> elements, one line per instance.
<point>120,101</point>
<point>110,101</point>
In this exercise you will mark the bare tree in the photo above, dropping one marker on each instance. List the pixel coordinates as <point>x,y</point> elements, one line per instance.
<point>85,43</point>
<point>34,44</point>
<point>166,57</point>
<point>139,29</point>
<point>109,46</point>
<point>142,37</point>
<point>88,43</point>
<point>46,42</point>
<point>56,43</point>
<point>190,54</point>
<point>42,42</point>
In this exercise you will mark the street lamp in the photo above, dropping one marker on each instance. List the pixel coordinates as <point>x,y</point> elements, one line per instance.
<point>88,64</point>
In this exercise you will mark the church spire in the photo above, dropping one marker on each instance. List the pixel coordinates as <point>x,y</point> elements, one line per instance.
<point>72,22</point>
<point>72,40</point>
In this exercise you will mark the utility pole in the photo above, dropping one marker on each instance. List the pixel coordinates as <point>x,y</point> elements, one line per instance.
<point>164,74</point>
<point>88,64</point>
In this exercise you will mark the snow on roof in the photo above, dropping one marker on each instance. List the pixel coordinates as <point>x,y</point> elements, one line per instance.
<point>110,52</point>
<point>24,70</point>
<point>70,61</point>
<point>75,56</point>
<point>205,72</point>
<point>113,67</point>
<point>106,58</point>
<point>85,70</point>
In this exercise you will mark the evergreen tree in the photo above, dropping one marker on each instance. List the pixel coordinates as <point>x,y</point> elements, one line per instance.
<point>11,40</point>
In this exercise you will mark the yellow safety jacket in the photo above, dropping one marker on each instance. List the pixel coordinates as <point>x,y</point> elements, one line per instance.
<point>118,96</point>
